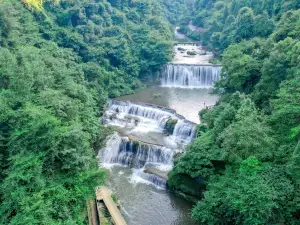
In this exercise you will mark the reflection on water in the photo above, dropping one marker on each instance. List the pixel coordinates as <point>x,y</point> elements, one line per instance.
<point>187,102</point>
<point>143,204</point>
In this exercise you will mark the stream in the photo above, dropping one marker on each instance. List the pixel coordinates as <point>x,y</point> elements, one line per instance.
<point>139,155</point>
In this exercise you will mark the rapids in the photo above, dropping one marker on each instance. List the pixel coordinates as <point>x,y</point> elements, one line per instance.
<point>149,133</point>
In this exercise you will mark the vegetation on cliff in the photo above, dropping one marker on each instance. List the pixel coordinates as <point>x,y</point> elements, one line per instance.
<point>245,164</point>
<point>59,61</point>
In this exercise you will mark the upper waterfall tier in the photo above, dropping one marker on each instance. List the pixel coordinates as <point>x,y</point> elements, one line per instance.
<point>192,76</point>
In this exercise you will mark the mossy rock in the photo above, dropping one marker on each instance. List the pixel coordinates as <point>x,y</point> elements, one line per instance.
<point>181,49</point>
<point>113,116</point>
<point>185,184</point>
<point>156,95</point>
<point>192,53</point>
<point>170,125</point>
<point>177,155</point>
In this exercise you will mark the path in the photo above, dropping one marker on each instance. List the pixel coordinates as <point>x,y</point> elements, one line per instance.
<point>104,194</point>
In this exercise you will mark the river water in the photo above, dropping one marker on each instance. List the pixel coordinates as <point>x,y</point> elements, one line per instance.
<point>144,204</point>
<point>185,101</point>
<point>140,154</point>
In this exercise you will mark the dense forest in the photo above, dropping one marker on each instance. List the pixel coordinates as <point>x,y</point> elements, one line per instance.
<point>59,62</point>
<point>244,166</point>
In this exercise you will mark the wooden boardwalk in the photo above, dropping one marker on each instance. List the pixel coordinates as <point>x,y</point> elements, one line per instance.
<point>104,194</point>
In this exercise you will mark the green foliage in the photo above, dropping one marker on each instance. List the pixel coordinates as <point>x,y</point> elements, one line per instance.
<point>244,163</point>
<point>227,22</point>
<point>241,63</point>
<point>58,66</point>
<point>178,10</point>
<point>35,4</point>
<point>114,197</point>
<point>244,24</point>
<point>286,109</point>
<point>232,193</point>
<point>247,136</point>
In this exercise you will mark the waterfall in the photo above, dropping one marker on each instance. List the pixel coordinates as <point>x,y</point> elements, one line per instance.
<point>177,75</point>
<point>134,154</point>
<point>111,149</point>
<point>132,118</point>
<point>184,130</point>
<point>153,179</point>
<point>147,118</point>
<point>120,110</point>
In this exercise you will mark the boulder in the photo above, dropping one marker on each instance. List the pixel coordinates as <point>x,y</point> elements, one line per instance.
<point>156,172</point>
<point>170,125</point>
<point>192,53</point>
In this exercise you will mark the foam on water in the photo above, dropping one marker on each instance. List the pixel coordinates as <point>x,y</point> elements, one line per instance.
<point>139,118</point>
<point>138,176</point>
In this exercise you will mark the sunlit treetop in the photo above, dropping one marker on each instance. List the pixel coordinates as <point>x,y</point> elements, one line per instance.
<point>34,4</point>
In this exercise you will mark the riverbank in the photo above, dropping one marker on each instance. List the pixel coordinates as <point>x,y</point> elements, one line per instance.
<point>141,154</point>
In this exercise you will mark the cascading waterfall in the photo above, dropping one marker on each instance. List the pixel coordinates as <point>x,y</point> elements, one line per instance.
<point>147,138</point>
<point>121,109</point>
<point>184,130</point>
<point>179,75</point>
<point>111,149</point>
<point>133,153</point>
<point>157,181</point>
<point>119,112</point>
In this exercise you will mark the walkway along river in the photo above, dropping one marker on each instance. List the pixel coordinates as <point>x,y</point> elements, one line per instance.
<point>152,126</point>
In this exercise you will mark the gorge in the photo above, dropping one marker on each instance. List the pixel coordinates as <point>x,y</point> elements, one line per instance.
<point>150,133</point>
<point>104,96</point>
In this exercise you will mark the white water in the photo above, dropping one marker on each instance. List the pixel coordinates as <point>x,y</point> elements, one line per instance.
<point>184,130</point>
<point>139,161</point>
<point>143,118</point>
<point>133,154</point>
<point>190,76</point>
<point>146,118</point>
<point>138,176</point>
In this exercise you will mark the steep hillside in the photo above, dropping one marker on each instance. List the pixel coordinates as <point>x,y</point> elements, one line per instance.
<point>244,165</point>
<point>59,61</point>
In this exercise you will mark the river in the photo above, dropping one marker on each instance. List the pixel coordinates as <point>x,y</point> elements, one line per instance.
<point>139,155</point>
<point>179,99</point>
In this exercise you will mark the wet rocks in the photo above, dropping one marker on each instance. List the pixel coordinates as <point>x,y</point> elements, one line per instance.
<point>170,125</point>
<point>191,53</point>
